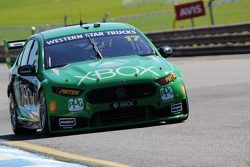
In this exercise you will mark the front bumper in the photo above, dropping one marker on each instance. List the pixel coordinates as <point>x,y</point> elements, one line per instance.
<point>156,108</point>
<point>120,118</point>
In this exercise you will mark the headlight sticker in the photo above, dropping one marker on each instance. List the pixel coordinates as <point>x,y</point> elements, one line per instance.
<point>75,104</point>
<point>168,79</point>
<point>167,93</point>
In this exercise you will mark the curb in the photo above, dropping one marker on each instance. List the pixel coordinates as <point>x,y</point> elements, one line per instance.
<point>63,156</point>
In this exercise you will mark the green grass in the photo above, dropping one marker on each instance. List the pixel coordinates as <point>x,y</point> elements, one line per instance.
<point>16,13</point>
<point>29,12</point>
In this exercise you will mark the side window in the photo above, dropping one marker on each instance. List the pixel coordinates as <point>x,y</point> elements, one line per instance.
<point>33,58</point>
<point>20,58</point>
<point>26,52</point>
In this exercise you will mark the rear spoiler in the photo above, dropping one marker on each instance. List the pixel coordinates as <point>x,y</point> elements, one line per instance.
<point>12,49</point>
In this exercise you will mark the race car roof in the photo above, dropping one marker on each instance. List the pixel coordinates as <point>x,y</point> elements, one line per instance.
<point>85,28</point>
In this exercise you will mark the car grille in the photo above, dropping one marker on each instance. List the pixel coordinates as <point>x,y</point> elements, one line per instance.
<point>122,116</point>
<point>119,93</point>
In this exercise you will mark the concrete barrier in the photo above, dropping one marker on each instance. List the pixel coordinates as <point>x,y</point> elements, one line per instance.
<point>216,40</point>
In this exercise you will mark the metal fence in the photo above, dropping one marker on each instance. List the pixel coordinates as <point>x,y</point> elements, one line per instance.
<point>225,12</point>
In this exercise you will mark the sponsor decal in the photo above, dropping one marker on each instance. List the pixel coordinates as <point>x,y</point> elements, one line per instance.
<point>111,33</point>
<point>28,94</point>
<point>67,91</point>
<point>67,122</point>
<point>93,34</point>
<point>167,93</point>
<point>190,10</point>
<point>170,77</point>
<point>115,105</point>
<point>123,105</point>
<point>75,104</point>
<point>176,108</point>
<point>126,71</point>
<point>64,39</point>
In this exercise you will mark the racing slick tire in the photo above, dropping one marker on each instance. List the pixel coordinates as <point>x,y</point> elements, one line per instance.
<point>43,113</point>
<point>14,121</point>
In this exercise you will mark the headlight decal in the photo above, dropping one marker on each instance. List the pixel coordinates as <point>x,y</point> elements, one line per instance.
<point>166,80</point>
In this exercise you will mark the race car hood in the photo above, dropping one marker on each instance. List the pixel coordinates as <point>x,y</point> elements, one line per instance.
<point>110,71</point>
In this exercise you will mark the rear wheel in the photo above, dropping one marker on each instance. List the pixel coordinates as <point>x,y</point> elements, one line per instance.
<point>43,114</point>
<point>14,121</point>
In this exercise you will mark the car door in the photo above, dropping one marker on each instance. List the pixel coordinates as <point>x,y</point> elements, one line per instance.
<point>17,88</point>
<point>28,84</point>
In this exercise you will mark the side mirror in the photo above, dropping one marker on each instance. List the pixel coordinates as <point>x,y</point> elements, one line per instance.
<point>27,70</point>
<point>166,51</point>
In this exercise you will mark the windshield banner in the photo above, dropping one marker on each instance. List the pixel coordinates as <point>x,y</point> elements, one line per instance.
<point>92,34</point>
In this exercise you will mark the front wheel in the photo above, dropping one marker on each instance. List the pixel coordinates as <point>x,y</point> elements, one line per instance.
<point>14,120</point>
<point>43,114</point>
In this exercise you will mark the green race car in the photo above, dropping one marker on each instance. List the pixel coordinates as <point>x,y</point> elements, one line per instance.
<point>92,76</point>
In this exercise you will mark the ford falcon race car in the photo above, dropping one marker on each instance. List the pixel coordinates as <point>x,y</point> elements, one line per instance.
<point>92,76</point>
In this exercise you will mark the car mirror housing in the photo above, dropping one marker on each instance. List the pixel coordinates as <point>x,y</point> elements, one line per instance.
<point>27,70</point>
<point>166,51</point>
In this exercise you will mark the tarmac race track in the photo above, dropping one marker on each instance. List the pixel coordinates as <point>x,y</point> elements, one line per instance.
<point>217,132</point>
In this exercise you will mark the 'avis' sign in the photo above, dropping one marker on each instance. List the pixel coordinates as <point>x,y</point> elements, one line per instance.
<point>189,10</point>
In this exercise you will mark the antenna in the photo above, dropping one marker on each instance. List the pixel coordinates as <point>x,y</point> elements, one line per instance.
<point>81,23</point>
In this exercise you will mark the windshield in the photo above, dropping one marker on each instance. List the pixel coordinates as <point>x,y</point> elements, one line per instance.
<point>82,47</point>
